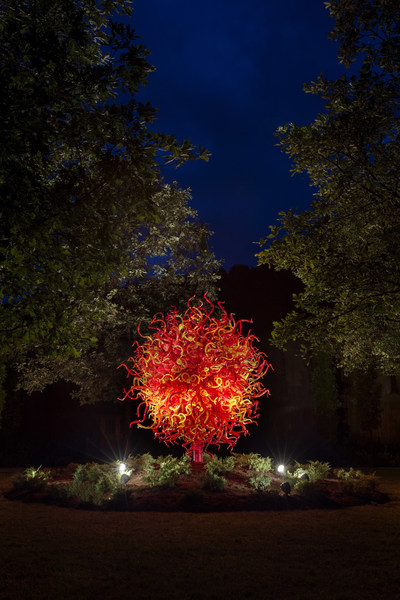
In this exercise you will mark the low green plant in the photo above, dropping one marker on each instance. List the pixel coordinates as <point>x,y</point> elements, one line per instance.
<point>94,483</point>
<point>260,467</point>
<point>317,470</point>
<point>260,464</point>
<point>215,468</point>
<point>243,460</point>
<point>348,474</point>
<point>33,478</point>
<point>356,483</point>
<point>37,473</point>
<point>169,471</point>
<point>260,481</point>
<point>141,462</point>
<point>213,481</point>
<point>220,465</point>
<point>89,472</point>
<point>312,471</point>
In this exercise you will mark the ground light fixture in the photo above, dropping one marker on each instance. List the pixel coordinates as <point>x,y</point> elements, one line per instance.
<point>125,474</point>
<point>281,469</point>
<point>285,487</point>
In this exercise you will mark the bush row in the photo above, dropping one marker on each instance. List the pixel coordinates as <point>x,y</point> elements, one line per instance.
<point>97,484</point>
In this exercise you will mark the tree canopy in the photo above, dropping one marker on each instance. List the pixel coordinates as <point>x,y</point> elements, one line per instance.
<point>345,248</point>
<point>79,166</point>
<point>172,262</point>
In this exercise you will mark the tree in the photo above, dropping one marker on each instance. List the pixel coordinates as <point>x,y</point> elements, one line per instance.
<point>79,167</point>
<point>346,247</point>
<point>197,378</point>
<point>172,262</point>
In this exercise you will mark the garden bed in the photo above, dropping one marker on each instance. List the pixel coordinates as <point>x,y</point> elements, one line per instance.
<point>189,494</point>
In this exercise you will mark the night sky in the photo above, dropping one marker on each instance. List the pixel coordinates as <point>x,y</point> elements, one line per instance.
<point>228,73</point>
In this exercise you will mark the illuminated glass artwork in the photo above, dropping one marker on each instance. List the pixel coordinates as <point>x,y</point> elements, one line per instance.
<point>197,377</point>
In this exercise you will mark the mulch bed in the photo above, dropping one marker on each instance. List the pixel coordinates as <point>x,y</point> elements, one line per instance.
<point>189,496</point>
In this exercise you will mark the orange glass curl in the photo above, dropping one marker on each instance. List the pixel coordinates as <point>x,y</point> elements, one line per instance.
<point>197,376</point>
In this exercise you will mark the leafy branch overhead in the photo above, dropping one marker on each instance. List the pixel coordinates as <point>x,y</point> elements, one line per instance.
<point>170,263</point>
<point>345,247</point>
<point>79,167</point>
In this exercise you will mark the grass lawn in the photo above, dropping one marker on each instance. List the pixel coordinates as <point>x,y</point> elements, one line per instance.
<point>50,553</point>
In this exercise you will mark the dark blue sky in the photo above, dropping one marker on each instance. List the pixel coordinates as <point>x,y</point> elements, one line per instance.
<point>228,73</point>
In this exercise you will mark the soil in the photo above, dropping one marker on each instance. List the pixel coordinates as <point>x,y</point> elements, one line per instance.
<point>190,496</point>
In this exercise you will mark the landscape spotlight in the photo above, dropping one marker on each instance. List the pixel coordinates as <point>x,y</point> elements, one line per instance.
<point>285,487</point>
<point>304,476</point>
<point>281,469</point>
<point>122,467</point>
<point>125,478</point>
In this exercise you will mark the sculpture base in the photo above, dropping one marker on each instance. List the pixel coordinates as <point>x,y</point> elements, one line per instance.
<point>197,448</point>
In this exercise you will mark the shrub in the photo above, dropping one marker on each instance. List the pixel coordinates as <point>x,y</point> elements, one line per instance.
<point>358,484</point>
<point>213,481</point>
<point>314,471</point>
<point>220,465</point>
<point>94,483</point>
<point>260,481</point>
<point>169,471</point>
<point>89,472</point>
<point>317,470</point>
<point>260,464</point>
<point>37,473</point>
<point>242,460</point>
<point>142,462</point>
<point>33,478</point>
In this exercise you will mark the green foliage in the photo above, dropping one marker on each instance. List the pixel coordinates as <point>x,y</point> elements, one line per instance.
<point>345,248</point>
<point>358,484</point>
<point>93,483</point>
<point>220,465</point>
<point>169,471</point>
<point>37,473</point>
<point>141,462</point>
<point>243,460</point>
<point>317,470</point>
<point>213,481</point>
<point>170,262</point>
<point>261,466</point>
<point>260,481</point>
<point>314,470</point>
<point>260,463</point>
<point>33,478</point>
<point>79,171</point>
